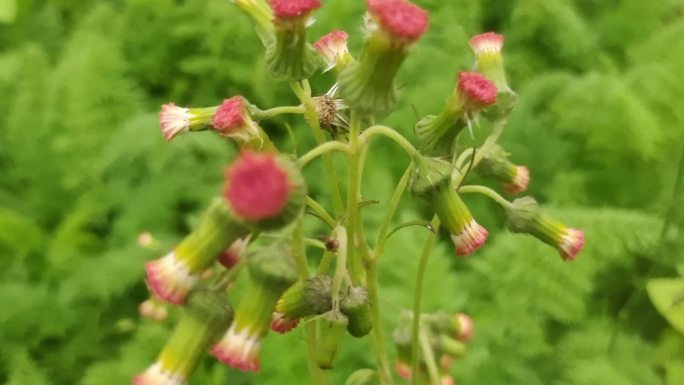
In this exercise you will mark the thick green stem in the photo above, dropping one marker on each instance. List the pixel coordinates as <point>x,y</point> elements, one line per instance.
<point>303,92</point>
<point>353,189</point>
<point>417,296</point>
<point>493,195</point>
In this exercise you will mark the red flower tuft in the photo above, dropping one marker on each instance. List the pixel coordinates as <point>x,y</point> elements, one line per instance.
<point>465,332</point>
<point>477,88</point>
<point>400,18</point>
<point>230,114</point>
<point>571,244</point>
<point>282,325</point>
<point>487,42</point>
<point>258,187</point>
<point>285,9</point>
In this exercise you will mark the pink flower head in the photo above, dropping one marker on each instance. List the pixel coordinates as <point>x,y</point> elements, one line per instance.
<point>231,115</point>
<point>287,9</point>
<point>472,237</point>
<point>239,349</point>
<point>465,327</point>
<point>156,375</point>
<point>174,120</point>
<point>571,244</point>
<point>520,181</point>
<point>169,278</point>
<point>283,325</point>
<point>476,90</point>
<point>399,18</point>
<point>258,187</point>
<point>403,369</point>
<point>487,43</point>
<point>333,47</point>
<point>231,256</point>
<point>446,361</point>
<point>446,379</point>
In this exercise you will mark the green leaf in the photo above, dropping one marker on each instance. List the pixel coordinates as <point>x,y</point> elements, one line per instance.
<point>667,295</point>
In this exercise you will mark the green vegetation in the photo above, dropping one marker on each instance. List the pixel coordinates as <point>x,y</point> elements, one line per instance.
<point>84,170</point>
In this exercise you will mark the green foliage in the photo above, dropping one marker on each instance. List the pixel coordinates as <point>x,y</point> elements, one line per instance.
<point>600,123</point>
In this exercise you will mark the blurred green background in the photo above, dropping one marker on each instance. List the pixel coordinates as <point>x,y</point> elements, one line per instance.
<point>84,170</point>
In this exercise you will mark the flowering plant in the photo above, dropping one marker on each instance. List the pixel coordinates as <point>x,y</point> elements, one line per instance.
<point>257,225</point>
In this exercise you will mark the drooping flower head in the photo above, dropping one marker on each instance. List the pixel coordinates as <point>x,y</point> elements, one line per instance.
<point>176,120</point>
<point>206,317</point>
<point>495,165</point>
<point>232,119</point>
<point>290,56</point>
<point>356,306</point>
<point>392,26</point>
<point>281,324</point>
<point>306,298</point>
<point>333,49</point>
<point>171,277</point>
<point>489,61</point>
<point>232,255</point>
<point>271,271</point>
<point>436,133</point>
<point>525,216</point>
<point>264,190</point>
<point>154,309</point>
<point>431,179</point>
<point>465,327</point>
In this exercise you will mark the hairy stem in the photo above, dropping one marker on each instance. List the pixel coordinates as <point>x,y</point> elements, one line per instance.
<point>353,189</point>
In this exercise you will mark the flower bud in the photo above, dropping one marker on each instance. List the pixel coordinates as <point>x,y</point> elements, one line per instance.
<point>356,307</point>
<point>489,61</point>
<point>153,309</point>
<point>205,318</point>
<point>176,120</point>
<point>232,255</point>
<point>305,298</point>
<point>330,333</point>
<point>290,57</point>
<point>437,133</point>
<point>171,277</point>
<point>392,26</point>
<point>451,346</point>
<point>271,271</point>
<point>525,216</point>
<point>458,326</point>
<point>333,49</point>
<point>495,165</point>
<point>281,324</point>
<point>265,191</point>
<point>233,120</point>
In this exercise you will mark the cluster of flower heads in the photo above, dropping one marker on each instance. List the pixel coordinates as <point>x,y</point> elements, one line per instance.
<point>265,192</point>
<point>447,336</point>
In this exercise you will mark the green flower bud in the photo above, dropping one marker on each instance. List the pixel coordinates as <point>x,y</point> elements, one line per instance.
<point>357,308</point>
<point>305,298</point>
<point>495,165</point>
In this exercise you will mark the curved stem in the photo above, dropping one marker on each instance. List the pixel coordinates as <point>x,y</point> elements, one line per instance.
<point>390,133</point>
<point>322,150</point>
<point>271,112</point>
<point>394,202</point>
<point>491,140</point>
<point>315,206</point>
<point>493,195</point>
<point>303,92</point>
<point>465,155</point>
<point>417,296</point>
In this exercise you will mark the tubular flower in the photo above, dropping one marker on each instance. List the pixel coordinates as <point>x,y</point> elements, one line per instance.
<point>333,49</point>
<point>233,120</point>
<point>495,164</point>
<point>431,179</point>
<point>392,26</point>
<point>525,216</point>
<point>306,298</point>
<point>281,324</point>
<point>271,271</point>
<point>153,309</point>
<point>206,317</point>
<point>171,277</point>
<point>265,191</point>
<point>437,133</point>
<point>176,120</point>
<point>489,61</point>
<point>465,327</point>
<point>290,57</point>
<point>231,256</point>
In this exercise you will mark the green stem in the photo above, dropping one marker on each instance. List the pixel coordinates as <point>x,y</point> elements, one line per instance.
<point>303,92</point>
<point>391,134</point>
<point>353,189</point>
<point>377,338</point>
<point>321,150</point>
<point>326,260</point>
<point>322,213</point>
<point>489,142</point>
<point>340,266</point>
<point>493,195</point>
<point>270,113</point>
<point>429,357</point>
<point>394,202</point>
<point>417,296</point>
